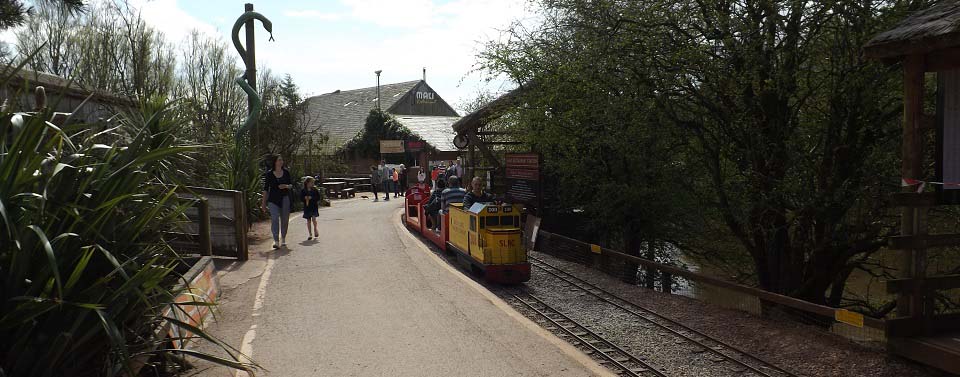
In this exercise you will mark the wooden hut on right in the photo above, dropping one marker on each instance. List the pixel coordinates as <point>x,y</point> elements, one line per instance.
<point>926,42</point>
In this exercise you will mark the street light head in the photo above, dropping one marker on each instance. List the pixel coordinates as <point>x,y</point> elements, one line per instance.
<point>378,72</point>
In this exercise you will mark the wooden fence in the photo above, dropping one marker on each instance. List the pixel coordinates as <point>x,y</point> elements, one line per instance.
<point>627,268</point>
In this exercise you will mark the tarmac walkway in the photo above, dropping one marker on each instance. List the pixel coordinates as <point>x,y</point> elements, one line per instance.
<point>369,299</point>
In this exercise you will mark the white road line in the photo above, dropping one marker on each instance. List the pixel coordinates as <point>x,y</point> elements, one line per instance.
<point>246,346</point>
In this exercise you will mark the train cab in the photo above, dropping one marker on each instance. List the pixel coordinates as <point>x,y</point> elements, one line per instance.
<point>487,236</point>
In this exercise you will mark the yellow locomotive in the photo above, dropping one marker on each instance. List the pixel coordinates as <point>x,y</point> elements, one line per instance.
<point>487,236</point>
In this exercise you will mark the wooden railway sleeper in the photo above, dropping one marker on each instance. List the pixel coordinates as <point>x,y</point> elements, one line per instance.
<point>624,304</point>
<point>607,357</point>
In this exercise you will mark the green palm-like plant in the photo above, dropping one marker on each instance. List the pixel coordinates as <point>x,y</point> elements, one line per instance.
<point>84,272</point>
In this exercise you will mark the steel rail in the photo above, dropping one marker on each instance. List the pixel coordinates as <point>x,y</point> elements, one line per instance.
<point>592,288</point>
<point>606,355</point>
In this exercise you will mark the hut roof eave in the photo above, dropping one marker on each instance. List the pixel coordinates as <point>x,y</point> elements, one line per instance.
<point>492,110</point>
<point>931,29</point>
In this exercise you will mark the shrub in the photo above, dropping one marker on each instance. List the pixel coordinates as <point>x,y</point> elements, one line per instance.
<point>84,272</point>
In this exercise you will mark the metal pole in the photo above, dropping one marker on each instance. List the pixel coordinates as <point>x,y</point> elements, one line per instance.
<point>251,69</point>
<point>378,88</point>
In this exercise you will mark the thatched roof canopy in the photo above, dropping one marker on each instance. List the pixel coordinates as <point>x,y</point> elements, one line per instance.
<point>932,29</point>
<point>492,110</point>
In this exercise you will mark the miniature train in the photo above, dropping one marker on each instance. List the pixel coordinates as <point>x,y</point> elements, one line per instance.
<point>486,238</point>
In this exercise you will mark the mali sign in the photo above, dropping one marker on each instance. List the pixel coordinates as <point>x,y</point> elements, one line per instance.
<point>523,178</point>
<point>391,146</point>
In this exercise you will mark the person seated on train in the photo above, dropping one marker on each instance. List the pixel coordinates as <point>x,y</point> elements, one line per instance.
<point>453,194</point>
<point>434,204</point>
<point>476,194</point>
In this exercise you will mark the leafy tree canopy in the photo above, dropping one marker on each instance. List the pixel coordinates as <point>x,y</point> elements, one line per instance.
<point>379,126</point>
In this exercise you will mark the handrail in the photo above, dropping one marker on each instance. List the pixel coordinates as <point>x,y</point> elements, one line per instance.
<point>787,301</point>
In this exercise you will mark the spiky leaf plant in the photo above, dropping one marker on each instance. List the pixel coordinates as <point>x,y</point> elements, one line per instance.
<point>84,272</point>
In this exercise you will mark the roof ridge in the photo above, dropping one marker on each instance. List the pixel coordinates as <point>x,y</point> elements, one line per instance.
<point>338,91</point>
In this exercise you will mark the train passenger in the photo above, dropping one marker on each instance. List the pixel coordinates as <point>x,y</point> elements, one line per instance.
<point>476,194</point>
<point>311,207</point>
<point>435,204</point>
<point>453,194</point>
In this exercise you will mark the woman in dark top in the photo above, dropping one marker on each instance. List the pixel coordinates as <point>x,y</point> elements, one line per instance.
<point>276,199</point>
<point>311,207</point>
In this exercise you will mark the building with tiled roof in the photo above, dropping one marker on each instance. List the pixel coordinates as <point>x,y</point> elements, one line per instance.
<point>341,115</point>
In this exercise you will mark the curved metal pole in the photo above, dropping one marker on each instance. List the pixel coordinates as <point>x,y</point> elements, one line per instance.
<point>255,101</point>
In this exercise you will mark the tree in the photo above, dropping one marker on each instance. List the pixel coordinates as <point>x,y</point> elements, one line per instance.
<point>108,47</point>
<point>284,119</point>
<point>762,114</point>
<point>378,126</point>
<point>13,12</point>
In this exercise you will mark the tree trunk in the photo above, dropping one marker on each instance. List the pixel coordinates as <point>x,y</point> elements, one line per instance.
<point>650,274</point>
<point>632,247</point>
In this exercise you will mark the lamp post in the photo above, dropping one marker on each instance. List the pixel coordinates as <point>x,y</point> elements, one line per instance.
<point>378,87</point>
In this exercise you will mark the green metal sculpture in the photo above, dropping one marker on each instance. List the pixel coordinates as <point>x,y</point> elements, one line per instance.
<point>255,102</point>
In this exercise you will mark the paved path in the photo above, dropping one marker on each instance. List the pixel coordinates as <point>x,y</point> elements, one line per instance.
<point>368,299</point>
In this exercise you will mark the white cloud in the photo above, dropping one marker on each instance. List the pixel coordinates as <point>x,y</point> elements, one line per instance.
<point>174,22</point>
<point>400,37</point>
<point>394,13</point>
<point>312,14</point>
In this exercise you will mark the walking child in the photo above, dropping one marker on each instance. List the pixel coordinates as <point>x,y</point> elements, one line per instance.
<point>311,207</point>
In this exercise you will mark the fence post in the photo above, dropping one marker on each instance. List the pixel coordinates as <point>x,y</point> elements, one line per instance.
<point>240,224</point>
<point>205,246</point>
<point>666,282</point>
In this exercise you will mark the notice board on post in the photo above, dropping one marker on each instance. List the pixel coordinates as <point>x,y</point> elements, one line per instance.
<point>523,178</point>
<point>391,146</point>
<point>948,137</point>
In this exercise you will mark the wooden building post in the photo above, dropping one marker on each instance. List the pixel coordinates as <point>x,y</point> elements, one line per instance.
<point>913,219</point>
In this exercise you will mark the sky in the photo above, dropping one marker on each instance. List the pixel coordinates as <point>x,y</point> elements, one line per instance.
<point>338,44</point>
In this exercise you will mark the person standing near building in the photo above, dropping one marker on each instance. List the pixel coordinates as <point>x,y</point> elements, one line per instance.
<point>402,175</point>
<point>276,199</point>
<point>385,179</point>
<point>421,176</point>
<point>435,174</point>
<point>375,182</point>
<point>455,170</point>
<point>396,182</point>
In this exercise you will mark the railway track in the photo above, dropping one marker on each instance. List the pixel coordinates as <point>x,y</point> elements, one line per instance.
<point>717,347</point>
<point>597,346</point>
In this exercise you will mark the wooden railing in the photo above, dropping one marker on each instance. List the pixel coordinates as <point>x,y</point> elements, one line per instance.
<point>840,321</point>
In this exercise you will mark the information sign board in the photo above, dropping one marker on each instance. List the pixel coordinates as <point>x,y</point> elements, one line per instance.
<point>523,178</point>
<point>391,146</point>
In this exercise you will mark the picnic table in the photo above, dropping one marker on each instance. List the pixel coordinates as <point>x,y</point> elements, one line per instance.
<point>360,184</point>
<point>334,188</point>
<point>339,189</point>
